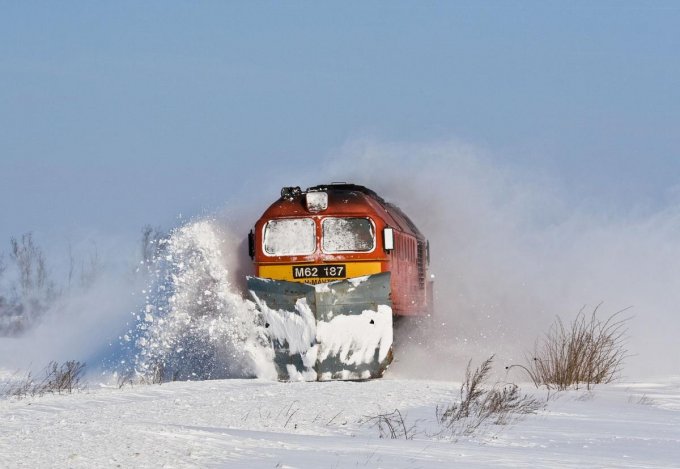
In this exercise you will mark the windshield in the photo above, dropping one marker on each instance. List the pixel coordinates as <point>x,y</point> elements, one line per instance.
<point>290,236</point>
<point>348,234</point>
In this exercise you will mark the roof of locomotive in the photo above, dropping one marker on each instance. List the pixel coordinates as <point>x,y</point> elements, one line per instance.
<point>345,199</point>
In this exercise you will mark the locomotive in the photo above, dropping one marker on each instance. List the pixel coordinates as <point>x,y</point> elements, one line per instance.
<point>335,265</point>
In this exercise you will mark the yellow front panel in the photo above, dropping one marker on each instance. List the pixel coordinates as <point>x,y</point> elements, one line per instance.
<point>285,271</point>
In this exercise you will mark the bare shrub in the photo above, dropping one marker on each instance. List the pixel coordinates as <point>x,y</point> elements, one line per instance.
<point>588,351</point>
<point>58,378</point>
<point>479,404</point>
<point>20,387</point>
<point>392,425</point>
<point>32,293</point>
<point>63,377</point>
<point>32,266</point>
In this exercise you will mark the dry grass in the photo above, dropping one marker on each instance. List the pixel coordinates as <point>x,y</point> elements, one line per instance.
<point>392,425</point>
<point>588,351</point>
<point>479,404</point>
<point>58,378</point>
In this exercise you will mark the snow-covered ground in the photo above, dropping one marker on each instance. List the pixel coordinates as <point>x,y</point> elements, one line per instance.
<point>259,423</point>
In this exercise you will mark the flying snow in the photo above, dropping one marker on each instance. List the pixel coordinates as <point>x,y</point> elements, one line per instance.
<point>196,324</point>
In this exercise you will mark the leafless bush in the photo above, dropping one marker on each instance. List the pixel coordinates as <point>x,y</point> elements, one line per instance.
<point>479,404</point>
<point>58,378</point>
<point>32,266</point>
<point>32,293</point>
<point>392,425</point>
<point>588,351</point>
<point>18,387</point>
<point>63,378</point>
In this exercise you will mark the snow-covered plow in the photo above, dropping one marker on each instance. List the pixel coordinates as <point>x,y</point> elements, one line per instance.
<point>340,330</point>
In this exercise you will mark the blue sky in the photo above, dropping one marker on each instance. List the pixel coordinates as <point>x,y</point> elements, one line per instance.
<point>117,114</point>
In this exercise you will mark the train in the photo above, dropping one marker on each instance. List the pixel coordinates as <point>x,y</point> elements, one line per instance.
<point>335,267</point>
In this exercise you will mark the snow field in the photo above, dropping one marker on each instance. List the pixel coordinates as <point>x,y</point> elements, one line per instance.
<point>257,423</point>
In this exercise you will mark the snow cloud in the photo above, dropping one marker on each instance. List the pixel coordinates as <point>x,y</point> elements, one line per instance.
<point>512,250</point>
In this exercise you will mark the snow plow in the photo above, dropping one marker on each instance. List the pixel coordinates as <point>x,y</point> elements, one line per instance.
<point>335,266</point>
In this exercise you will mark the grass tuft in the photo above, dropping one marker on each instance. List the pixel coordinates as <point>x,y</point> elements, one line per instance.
<point>392,425</point>
<point>57,378</point>
<point>588,351</point>
<point>480,404</point>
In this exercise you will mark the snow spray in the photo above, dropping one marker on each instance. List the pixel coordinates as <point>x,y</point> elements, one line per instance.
<point>196,324</point>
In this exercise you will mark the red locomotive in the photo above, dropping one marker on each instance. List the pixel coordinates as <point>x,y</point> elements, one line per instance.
<point>326,235</point>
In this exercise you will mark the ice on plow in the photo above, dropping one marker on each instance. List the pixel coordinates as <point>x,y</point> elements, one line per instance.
<point>340,330</point>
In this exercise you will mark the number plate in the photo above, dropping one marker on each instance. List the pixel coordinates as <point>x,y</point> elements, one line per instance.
<point>319,271</point>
